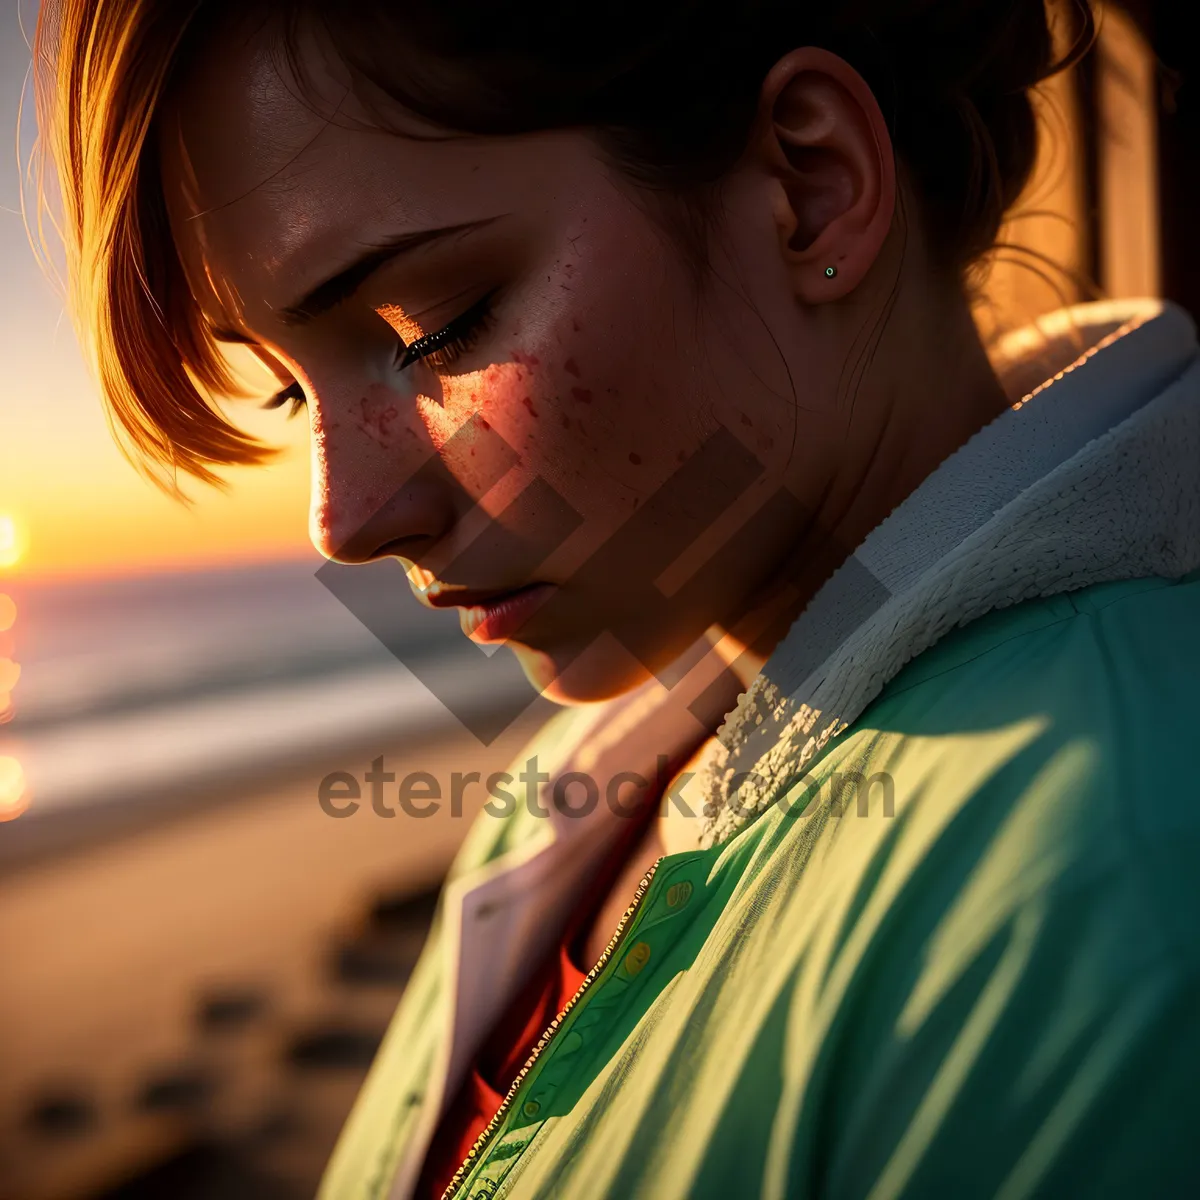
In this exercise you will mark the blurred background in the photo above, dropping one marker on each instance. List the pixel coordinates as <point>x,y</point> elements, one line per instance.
<point>196,962</point>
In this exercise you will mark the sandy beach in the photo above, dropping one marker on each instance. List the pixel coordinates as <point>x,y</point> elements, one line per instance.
<point>218,978</point>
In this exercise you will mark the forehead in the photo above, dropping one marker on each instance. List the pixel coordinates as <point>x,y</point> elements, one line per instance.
<point>263,181</point>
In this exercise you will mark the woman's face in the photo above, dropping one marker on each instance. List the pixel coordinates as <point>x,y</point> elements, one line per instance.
<point>579,371</point>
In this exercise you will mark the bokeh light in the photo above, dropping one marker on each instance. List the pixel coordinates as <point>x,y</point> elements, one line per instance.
<point>14,798</point>
<point>10,672</point>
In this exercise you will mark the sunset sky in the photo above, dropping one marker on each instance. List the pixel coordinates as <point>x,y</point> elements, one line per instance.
<point>76,503</point>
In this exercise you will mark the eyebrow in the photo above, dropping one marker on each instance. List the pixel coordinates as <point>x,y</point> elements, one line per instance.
<point>341,285</point>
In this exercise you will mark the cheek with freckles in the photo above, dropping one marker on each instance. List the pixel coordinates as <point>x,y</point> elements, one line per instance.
<point>513,401</point>
<point>553,415</point>
<point>604,430</point>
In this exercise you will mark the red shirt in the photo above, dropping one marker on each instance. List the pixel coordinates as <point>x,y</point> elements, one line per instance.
<point>513,1038</point>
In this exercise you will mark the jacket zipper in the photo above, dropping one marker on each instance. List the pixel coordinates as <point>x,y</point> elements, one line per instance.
<point>490,1129</point>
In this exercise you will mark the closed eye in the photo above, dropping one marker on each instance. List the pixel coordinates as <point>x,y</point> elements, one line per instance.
<point>293,394</point>
<point>440,350</point>
<point>443,348</point>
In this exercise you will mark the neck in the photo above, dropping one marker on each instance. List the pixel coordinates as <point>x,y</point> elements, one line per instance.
<point>941,390</point>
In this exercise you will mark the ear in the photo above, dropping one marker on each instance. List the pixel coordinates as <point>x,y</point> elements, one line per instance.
<point>824,142</point>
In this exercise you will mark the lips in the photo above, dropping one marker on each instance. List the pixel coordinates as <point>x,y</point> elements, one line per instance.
<point>489,617</point>
<point>449,595</point>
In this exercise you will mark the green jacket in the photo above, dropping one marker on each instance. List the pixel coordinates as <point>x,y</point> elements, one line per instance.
<point>947,948</point>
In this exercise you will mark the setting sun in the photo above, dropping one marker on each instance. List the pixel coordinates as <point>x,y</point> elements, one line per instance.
<point>10,547</point>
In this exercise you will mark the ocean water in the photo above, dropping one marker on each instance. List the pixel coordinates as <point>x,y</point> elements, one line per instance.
<point>134,687</point>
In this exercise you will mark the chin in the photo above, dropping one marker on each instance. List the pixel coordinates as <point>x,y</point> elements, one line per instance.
<point>603,670</point>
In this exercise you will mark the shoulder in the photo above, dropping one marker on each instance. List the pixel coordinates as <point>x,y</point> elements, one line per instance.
<point>1047,752</point>
<point>1040,758</point>
<point>1006,967</point>
<point>1138,634</point>
<point>994,960</point>
<point>1069,723</point>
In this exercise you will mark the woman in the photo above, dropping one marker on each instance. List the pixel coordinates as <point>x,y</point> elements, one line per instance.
<point>648,345</point>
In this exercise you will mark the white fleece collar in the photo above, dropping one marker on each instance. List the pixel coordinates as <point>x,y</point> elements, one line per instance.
<point>1092,477</point>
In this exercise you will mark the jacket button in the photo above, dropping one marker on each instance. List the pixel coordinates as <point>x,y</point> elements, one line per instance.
<point>531,1108</point>
<point>637,958</point>
<point>678,894</point>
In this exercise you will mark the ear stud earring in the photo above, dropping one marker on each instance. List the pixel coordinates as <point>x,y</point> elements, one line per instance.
<point>830,272</point>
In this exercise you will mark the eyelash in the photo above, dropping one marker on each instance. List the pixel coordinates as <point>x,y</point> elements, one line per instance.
<point>440,349</point>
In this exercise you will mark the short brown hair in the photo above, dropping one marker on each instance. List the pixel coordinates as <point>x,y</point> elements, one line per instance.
<point>953,79</point>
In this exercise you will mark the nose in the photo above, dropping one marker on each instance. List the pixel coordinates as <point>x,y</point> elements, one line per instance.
<point>406,523</point>
<point>370,502</point>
